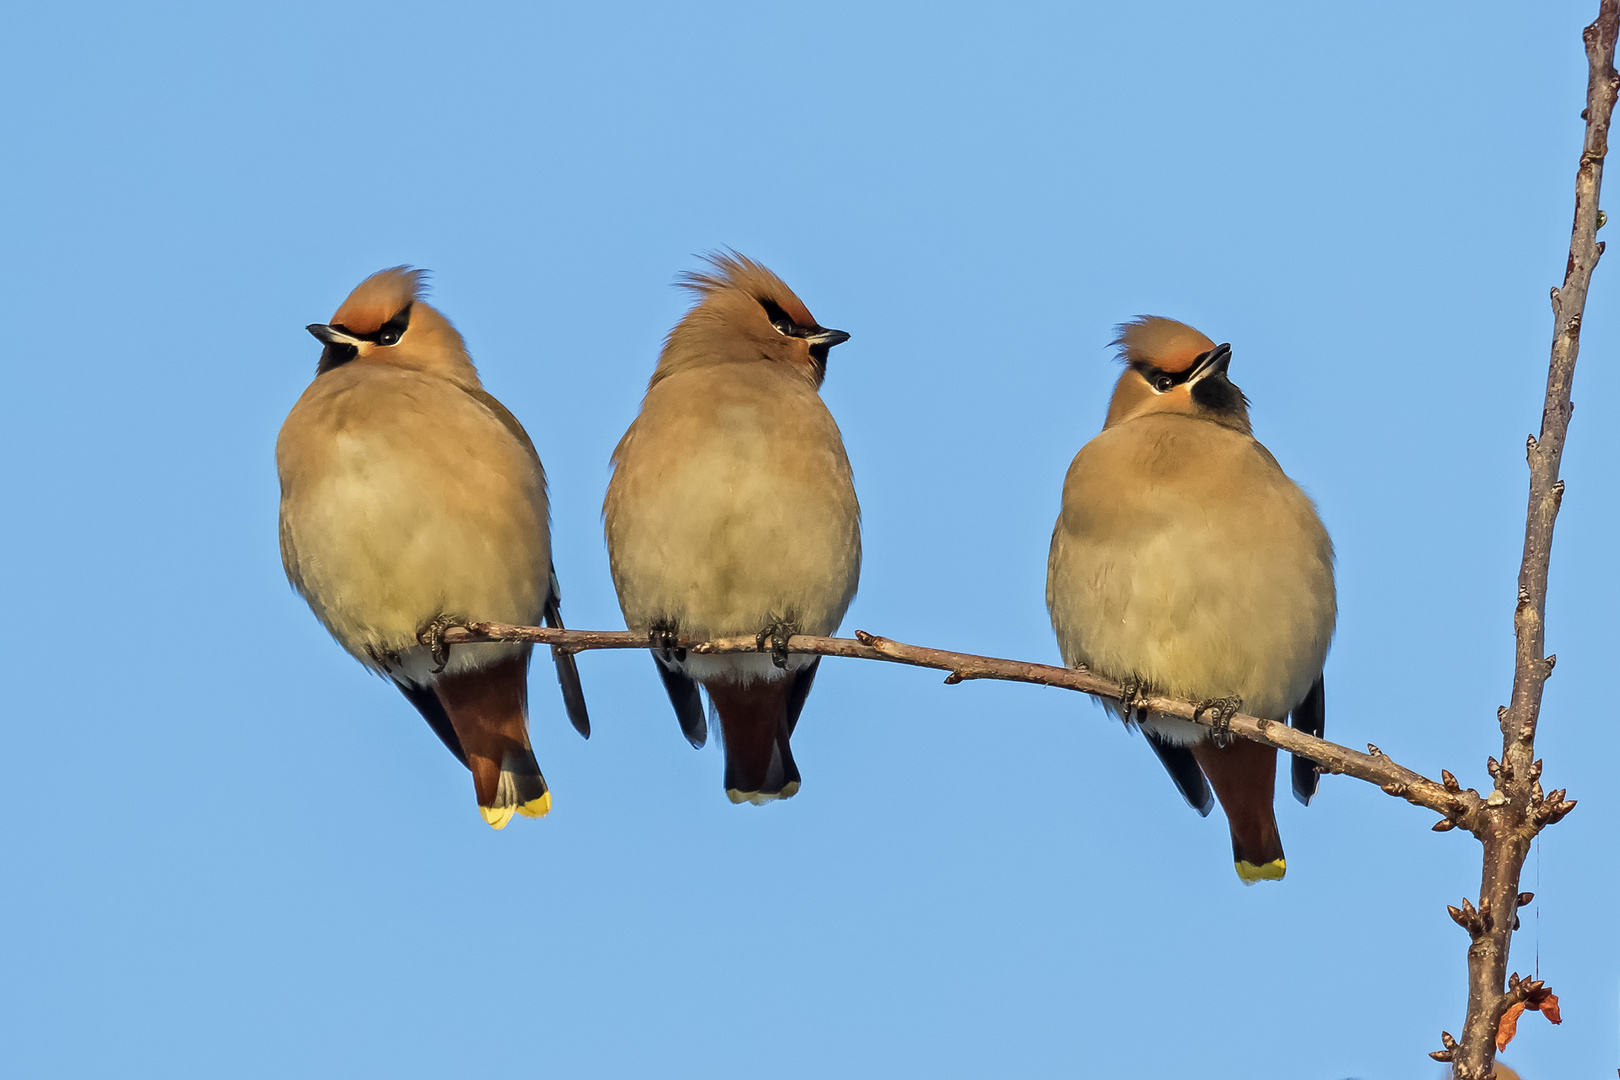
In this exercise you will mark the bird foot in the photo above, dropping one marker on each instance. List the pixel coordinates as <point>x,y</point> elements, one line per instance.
<point>777,631</point>
<point>432,635</point>
<point>663,637</point>
<point>1130,700</point>
<point>1220,726</point>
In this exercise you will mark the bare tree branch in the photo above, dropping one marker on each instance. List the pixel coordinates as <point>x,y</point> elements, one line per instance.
<point>1459,807</point>
<point>1518,809</point>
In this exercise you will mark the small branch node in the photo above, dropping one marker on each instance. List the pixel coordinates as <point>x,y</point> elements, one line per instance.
<point>1535,769</point>
<point>1444,825</point>
<point>1449,781</point>
<point>953,678</point>
<point>1374,751</point>
<point>1551,661</point>
<point>1525,898</point>
<point>1441,1055</point>
<point>1560,811</point>
<point>1493,767</point>
<point>1395,788</point>
<point>1447,1041</point>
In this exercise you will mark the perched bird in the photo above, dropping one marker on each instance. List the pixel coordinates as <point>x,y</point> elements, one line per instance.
<point>732,512</point>
<point>412,500</point>
<point>1187,564</point>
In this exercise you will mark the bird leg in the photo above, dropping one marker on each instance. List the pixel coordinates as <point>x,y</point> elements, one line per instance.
<point>1220,726</point>
<point>778,630</point>
<point>663,636</point>
<point>432,635</point>
<point>1133,690</point>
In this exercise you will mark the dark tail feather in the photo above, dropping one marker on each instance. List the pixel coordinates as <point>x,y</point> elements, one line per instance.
<point>754,728</point>
<point>567,671</point>
<point>489,709</point>
<point>800,690</point>
<point>683,694</point>
<point>1183,768</point>
<point>1244,776</point>
<point>427,703</point>
<point>1310,716</point>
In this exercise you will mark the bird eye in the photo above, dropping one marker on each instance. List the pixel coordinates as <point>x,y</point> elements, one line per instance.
<point>781,321</point>
<point>388,337</point>
<point>1163,384</point>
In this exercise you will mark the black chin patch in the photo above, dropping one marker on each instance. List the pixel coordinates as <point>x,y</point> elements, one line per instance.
<point>336,354</point>
<point>1218,394</point>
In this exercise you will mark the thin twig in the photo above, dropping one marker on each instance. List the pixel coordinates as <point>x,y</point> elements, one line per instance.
<point>1518,809</point>
<point>1458,807</point>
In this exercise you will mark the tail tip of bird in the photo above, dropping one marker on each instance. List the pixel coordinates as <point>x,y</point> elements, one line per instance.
<point>1271,871</point>
<point>497,817</point>
<point>760,798</point>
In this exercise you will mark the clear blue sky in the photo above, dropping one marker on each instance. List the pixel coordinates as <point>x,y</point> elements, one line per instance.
<point>229,851</point>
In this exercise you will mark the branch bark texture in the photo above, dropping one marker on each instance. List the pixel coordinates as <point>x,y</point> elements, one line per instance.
<point>1518,809</point>
<point>1446,797</point>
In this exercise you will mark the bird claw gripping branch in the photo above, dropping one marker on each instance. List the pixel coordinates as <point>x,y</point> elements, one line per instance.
<point>1220,725</point>
<point>1131,692</point>
<point>777,631</point>
<point>432,635</point>
<point>663,637</point>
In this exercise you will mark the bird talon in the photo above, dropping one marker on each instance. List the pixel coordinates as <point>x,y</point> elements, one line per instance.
<point>1220,725</point>
<point>777,631</point>
<point>1133,690</point>
<point>663,637</point>
<point>432,635</point>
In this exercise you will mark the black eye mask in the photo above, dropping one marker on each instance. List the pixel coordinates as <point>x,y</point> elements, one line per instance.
<point>388,333</point>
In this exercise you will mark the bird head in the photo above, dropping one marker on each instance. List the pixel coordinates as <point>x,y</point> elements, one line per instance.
<point>746,314</point>
<point>1172,368</point>
<point>384,320</point>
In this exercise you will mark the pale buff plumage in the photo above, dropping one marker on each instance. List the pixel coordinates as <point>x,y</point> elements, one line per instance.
<point>732,509</point>
<point>1186,560</point>
<point>412,498</point>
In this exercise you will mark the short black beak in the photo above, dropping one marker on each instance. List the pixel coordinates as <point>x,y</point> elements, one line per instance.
<point>828,338</point>
<point>327,335</point>
<point>1214,362</point>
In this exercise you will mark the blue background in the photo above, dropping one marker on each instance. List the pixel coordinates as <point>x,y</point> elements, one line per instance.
<point>228,851</point>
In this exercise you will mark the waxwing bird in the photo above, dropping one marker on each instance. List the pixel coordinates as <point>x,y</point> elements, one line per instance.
<point>1186,563</point>
<point>412,500</point>
<point>732,512</point>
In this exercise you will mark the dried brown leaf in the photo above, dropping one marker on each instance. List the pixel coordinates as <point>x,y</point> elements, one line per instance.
<point>1545,1002</point>
<point>1509,1026</point>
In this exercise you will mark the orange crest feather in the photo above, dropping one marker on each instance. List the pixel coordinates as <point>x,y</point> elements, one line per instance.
<point>734,271</point>
<point>379,298</point>
<point>1164,343</point>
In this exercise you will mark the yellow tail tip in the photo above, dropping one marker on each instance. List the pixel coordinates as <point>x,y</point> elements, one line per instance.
<point>790,789</point>
<point>536,808</point>
<point>1272,871</point>
<point>496,817</point>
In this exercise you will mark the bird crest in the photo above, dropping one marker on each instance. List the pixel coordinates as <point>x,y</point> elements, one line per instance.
<point>739,272</point>
<point>379,298</point>
<point>1160,343</point>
